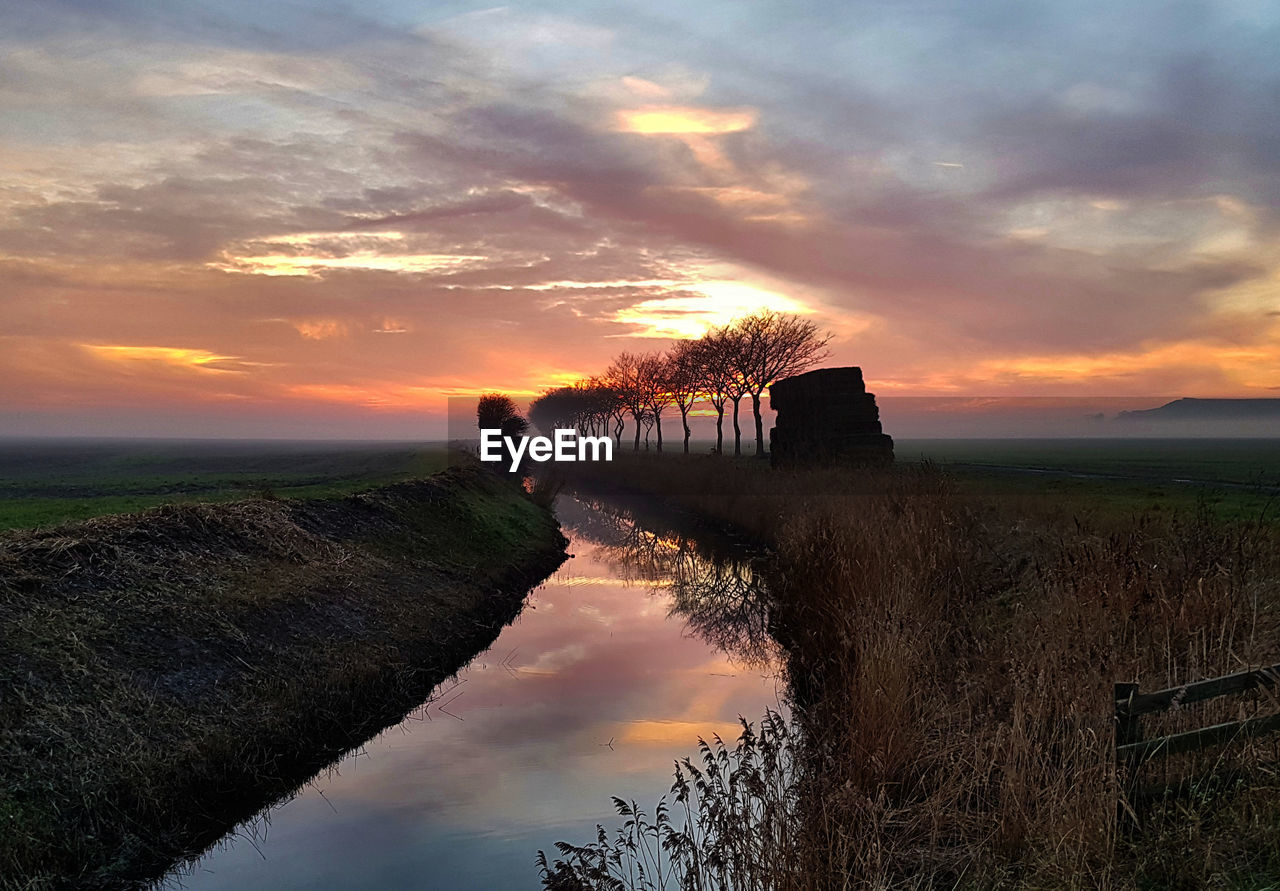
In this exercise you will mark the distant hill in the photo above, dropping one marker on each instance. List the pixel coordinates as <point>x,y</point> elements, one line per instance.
<point>1188,409</point>
<point>1205,417</point>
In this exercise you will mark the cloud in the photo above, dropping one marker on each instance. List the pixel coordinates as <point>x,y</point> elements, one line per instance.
<point>173,357</point>
<point>320,329</point>
<point>972,198</point>
<point>701,305</point>
<point>678,120</point>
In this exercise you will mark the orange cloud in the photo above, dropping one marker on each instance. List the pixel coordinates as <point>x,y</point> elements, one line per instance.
<point>1248,366</point>
<point>174,357</point>
<point>320,329</point>
<point>385,395</point>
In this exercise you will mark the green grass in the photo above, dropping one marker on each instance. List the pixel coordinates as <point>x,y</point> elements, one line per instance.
<point>1234,461</point>
<point>1238,479</point>
<point>1117,497</point>
<point>166,675</point>
<point>50,482</point>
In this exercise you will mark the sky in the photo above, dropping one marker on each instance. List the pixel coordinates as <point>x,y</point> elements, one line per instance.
<point>280,219</point>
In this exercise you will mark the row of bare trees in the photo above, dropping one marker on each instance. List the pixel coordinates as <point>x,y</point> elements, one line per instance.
<point>719,369</point>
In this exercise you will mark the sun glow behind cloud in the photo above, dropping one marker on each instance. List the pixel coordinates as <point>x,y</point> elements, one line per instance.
<point>698,128</point>
<point>700,306</point>
<point>672,120</point>
<point>311,253</point>
<point>375,261</point>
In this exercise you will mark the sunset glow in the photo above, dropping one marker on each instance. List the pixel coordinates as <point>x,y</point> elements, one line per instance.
<point>247,219</point>
<point>199,360</point>
<point>672,120</point>
<point>686,315</point>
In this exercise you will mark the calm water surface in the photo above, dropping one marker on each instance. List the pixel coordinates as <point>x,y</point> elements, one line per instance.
<point>620,661</point>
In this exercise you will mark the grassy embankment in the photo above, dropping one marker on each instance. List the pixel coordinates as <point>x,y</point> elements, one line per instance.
<point>45,482</point>
<point>951,654</point>
<point>166,675</point>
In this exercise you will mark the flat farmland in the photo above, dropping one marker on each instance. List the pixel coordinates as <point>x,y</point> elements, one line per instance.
<point>45,482</point>
<point>1237,478</point>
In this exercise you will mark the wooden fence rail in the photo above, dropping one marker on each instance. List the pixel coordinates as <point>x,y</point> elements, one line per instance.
<point>1132,750</point>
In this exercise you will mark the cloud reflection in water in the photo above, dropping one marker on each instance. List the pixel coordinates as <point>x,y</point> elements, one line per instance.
<point>635,648</point>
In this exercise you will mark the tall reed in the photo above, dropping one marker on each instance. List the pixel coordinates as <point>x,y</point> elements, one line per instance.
<point>951,660</point>
<point>730,824</point>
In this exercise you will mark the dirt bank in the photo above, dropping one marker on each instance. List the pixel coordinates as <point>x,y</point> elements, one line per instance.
<point>167,674</point>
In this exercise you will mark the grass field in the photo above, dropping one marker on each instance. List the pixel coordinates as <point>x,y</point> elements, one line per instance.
<point>44,482</point>
<point>1236,478</point>
<point>1236,461</point>
<point>52,481</point>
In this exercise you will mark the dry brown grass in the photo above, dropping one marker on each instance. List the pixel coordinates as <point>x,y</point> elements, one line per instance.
<point>953,666</point>
<point>165,675</point>
<point>951,660</point>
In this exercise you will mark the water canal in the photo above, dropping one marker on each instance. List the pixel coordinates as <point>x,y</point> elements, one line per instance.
<point>643,642</point>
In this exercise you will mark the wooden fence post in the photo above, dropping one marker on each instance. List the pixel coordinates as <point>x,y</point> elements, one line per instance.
<point>1128,730</point>
<point>1132,751</point>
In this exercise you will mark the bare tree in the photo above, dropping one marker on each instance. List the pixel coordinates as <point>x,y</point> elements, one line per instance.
<point>582,407</point>
<point>612,408</point>
<point>733,351</point>
<point>773,346</point>
<point>647,419</point>
<point>652,372</point>
<point>684,380</point>
<point>740,359</point>
<point>713,364</point>
<point>625,378</point>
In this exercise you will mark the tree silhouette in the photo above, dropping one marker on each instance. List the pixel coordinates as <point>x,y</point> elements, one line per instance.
<point>715,376</point>
<point>497,411</point>
<point>625,378</point>
<point>742,358</point>
<point>731,353</point>
<point>683,374</point>
<point>773,346</point>
<point>652,375</point>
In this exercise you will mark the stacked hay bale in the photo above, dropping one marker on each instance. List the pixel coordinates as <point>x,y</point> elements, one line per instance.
<point>826,416</point>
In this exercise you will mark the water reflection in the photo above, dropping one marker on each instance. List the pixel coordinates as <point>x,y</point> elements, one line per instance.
<point>628,654</point>
<point>716,586</point>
